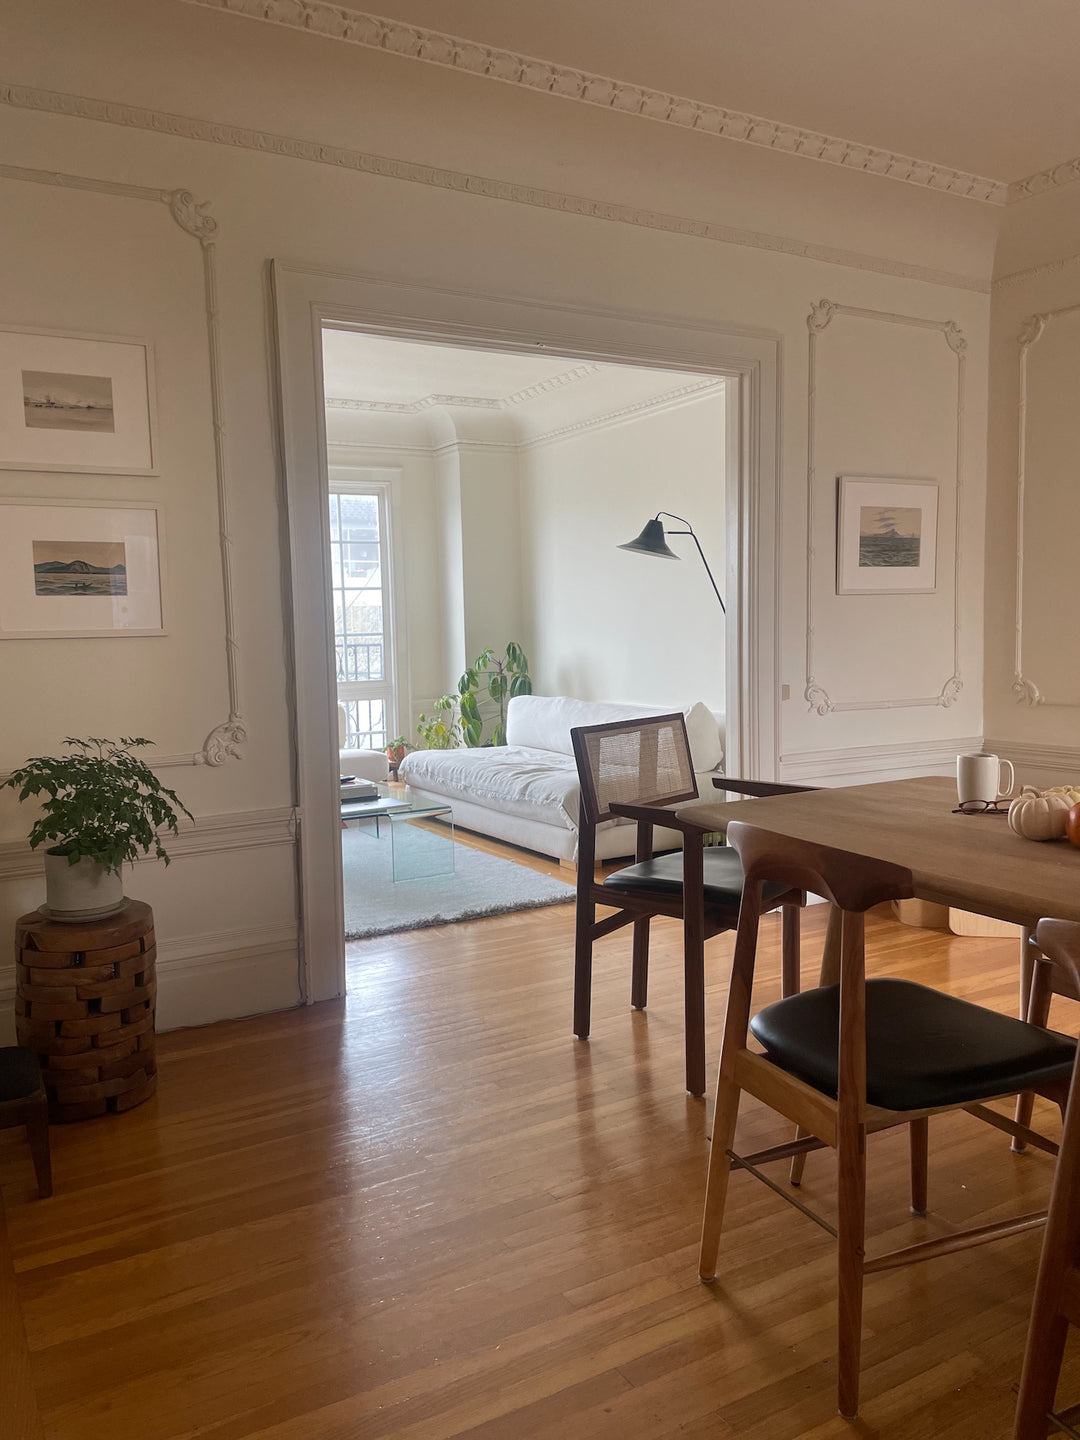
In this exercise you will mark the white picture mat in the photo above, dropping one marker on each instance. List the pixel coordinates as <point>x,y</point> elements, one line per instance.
<point>24,614</point>
<point>856,491</point>
<point>126,450</point>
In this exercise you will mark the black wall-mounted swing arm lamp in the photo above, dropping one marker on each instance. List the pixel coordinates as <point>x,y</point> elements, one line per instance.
<point>652,541</point>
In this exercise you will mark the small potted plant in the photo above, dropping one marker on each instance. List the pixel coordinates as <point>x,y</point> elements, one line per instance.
<point>396,751</point>
<point>103,806</point>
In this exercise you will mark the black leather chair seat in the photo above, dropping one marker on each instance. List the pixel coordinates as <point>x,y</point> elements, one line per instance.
<point>663,875</point>
<point>20,1073</point>
<point>923,1048</point>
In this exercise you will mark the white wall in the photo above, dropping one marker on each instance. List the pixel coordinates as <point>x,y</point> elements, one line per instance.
<point>112,260</point>
<point>605,624</point>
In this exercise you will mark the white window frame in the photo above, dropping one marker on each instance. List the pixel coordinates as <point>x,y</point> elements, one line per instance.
<point>383,482</point>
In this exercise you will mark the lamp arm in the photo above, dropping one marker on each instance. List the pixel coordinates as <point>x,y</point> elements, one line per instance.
<point>690,531</point>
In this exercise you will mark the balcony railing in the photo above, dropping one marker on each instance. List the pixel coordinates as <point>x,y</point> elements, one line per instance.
<point>360,659</point>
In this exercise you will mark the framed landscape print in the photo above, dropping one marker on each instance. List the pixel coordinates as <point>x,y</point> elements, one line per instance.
<point>75,568</point>
<point>78,403</point>
<point>886,536</point>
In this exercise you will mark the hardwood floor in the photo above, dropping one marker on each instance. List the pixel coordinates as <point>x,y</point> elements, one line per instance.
<point>430,1212</point>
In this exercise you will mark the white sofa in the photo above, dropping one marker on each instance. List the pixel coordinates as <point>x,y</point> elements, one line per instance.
<point>526,791</point>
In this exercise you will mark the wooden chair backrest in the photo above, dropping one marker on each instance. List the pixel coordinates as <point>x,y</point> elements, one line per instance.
<point>633,762</point>
<point>855,883</point>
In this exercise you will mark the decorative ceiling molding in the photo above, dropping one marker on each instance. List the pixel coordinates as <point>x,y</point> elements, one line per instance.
<point>671,401</point>
<point>224,740</point>
<point>1067,173</point>
<point>415,42</point>
<point>189,128</point>
<point>819,319</point>
<point>475,402</point>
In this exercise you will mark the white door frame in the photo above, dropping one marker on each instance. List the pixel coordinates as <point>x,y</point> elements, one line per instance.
<point>303,300</point>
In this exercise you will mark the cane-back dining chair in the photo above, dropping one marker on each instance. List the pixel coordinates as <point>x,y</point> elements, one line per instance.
<point>632,769</point>
<point>1057,1289</point>
<point>843,1061</point>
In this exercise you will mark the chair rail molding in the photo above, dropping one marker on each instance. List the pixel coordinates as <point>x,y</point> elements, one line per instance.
<point>815,693</point>
<point>1026,690</point>
<point>190,127</point>
<point>225,740</point>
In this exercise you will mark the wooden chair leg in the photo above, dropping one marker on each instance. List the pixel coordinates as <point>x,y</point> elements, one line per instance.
<point>790,949</point>
<point>736,1026</point>
<point>716,1185</point>
<point>693,907</point>
<point>1039,1377</point>
<point>37,1132</point>
<point>919,1135</point>
<point>583,972</point>
<point>639,981</point>
<point>830,974</point>
<point>850,1256</point>
<point>1040,990</point>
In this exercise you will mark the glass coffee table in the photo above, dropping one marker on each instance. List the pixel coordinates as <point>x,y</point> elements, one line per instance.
<point>419,849</point>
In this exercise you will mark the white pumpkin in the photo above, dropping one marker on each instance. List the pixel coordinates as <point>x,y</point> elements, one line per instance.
<point>1071,792</point>
<point>1039,816</point>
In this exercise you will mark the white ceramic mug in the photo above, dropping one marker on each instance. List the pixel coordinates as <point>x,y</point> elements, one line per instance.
<point>981,777</point>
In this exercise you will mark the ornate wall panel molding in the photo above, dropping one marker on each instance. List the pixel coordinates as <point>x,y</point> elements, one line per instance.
<point>190,128</point>
<point>224,741</point>
<point>414,42</point>
<point>815,693</point>
<point>1025,689</point>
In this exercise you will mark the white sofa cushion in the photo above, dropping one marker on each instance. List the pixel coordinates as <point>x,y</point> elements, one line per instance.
<point>535,784</point>
<point>544,722</point>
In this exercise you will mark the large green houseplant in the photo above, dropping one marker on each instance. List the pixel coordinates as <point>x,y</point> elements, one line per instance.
<point>501,676</point>
<point>102,806</point>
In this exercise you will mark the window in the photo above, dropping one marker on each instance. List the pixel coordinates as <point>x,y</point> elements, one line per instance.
<point>360,571</point>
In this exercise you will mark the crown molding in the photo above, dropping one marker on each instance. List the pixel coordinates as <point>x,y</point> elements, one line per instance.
<point>673,400</point>
<point>475,402</point>
<point>190,128</point>
<point>1067,173</point>
<point>451,52</point>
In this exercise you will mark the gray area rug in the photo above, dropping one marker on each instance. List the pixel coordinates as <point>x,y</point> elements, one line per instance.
<point>376,904</point>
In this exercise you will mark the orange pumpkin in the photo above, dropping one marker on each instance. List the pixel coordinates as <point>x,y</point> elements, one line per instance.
<point>1072,825</point>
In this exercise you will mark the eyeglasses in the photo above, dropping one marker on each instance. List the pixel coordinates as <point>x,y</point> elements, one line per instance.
<point>980,807</point>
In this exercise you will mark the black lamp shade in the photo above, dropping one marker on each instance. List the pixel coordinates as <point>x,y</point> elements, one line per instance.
<point>651,542</point>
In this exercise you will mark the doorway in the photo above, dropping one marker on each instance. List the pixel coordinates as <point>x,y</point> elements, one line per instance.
<point>746,368</point>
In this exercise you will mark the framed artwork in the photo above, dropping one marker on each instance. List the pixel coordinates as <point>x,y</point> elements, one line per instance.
<point>79,568</point>
<point>80,403</point>
<point>886,536</point>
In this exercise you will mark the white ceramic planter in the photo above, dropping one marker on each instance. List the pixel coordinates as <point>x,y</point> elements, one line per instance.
<point>83,891</point>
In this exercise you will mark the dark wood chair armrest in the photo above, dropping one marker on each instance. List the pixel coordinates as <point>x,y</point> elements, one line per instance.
<point>656,815</point>
<point>758,787</point>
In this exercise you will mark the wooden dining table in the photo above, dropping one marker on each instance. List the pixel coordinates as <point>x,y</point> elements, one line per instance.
<point>971,862</point>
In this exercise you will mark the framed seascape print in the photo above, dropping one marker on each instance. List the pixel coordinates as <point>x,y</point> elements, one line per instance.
<point>76,403</point>
<point>886,536</point>
<point>77,568</point>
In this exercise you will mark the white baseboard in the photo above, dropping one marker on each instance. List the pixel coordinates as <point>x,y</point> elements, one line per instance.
<point>864,764</point>
<point>202,978</point>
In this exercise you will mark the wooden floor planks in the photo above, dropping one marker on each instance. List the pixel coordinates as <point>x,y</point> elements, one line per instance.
<point>429,1212</point>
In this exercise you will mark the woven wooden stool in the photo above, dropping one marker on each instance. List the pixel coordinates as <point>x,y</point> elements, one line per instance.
<point>84,1003</point>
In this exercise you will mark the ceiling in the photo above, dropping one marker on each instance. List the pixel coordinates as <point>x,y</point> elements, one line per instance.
<point>539,394</point>
<point>987,86</point>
